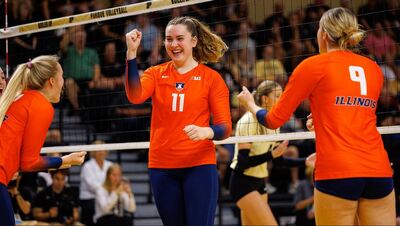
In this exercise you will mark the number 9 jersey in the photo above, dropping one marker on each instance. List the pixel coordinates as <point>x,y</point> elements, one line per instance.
<point>179,100</point>
<point>343,89</point>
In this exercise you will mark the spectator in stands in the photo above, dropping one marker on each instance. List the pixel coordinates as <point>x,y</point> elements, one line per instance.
<point>392,19</point>
<point>234,11</point>
<point>45,179</point>
<point>270,68</point>
<point>23,47</point>
<point>21,199</point>
<point>243,56</point>
<point>244,44</point>
<point>380,44</point>
<point>115,203</point>
<point>370,12</point>
<point>132,122</point>
<point>102,93</point>
<point>109,30</point>
<point>111,70</point>
<point>81,65</point>
<point>57,203</point>
<point>278,18</point>
<point>388,108</point>
<point>304,200</point>
<point>93,174</point>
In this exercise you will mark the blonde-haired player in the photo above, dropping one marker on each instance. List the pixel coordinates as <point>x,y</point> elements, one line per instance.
<point>353,176</point>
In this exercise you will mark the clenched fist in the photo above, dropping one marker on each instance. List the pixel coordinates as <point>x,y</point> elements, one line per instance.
<point>133,39</point>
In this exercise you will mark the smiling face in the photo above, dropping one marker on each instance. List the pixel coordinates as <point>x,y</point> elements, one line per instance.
<point>179,44</point>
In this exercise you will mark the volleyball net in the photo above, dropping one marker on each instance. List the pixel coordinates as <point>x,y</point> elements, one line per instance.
<point>267,39</point>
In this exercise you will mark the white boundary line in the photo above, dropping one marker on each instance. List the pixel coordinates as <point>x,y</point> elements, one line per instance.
<point>230,140</point>
<point>95,16</point>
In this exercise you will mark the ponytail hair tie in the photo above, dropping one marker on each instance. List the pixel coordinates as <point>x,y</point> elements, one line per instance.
<point>29,63</point>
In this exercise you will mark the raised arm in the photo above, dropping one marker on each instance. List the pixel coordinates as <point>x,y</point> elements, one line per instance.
<point>137,89</point>
<point>301,83</point>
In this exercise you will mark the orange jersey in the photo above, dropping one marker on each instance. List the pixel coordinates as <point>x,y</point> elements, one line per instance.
<point>179,100</point>
<point>343,89</point>
<point>22,134</point>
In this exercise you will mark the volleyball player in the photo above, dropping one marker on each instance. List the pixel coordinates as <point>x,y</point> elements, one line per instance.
<point>26,114</point>
<point>353,174</point>
<point>247,184</point>
<point>185,94</point>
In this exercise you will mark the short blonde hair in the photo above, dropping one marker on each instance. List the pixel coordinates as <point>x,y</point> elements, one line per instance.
<point>342,27</point>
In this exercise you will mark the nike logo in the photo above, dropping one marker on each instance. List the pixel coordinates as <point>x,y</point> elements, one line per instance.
<point>164,76</point>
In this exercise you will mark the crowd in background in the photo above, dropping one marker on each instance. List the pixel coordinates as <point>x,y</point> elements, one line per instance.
<point>93,58</point>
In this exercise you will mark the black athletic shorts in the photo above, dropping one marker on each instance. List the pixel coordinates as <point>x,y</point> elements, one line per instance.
<point>241,185</point>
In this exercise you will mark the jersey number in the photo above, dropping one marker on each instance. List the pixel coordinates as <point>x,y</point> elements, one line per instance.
<point>357,75</point>
<point>175,101</point>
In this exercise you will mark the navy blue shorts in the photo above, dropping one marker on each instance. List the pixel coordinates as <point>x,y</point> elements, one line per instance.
<point>356,188</point>
<point>6,209</point>
<point>186,196</point>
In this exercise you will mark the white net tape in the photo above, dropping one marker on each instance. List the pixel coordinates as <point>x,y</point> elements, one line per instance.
<point>95,16</point>
<point>230,140</point>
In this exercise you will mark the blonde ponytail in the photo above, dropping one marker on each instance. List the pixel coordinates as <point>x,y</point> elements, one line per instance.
<point>342,28</point>
<point>13,90</point>
<point>32,75</point>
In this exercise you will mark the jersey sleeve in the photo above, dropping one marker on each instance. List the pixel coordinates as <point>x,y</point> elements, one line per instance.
<point>39,119</point>
<point>138,88</point>
<point>301,84</point>
<point>220,109</point>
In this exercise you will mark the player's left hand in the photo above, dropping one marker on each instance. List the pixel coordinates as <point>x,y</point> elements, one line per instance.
<point>310,160</point>
<point>196,133</point>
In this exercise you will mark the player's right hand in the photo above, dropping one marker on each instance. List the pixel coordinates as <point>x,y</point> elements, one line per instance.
<point>75,158</point>
<point>133,41</point>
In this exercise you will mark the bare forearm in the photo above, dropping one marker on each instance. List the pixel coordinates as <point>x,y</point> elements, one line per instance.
<point>25,206</point>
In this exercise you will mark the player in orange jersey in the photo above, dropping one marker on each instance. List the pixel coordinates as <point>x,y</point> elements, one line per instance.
<point>185,94</point>
<point>26,113</point>
<point>352,172</point>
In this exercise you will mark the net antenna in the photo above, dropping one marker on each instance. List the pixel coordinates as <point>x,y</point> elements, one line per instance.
<point>95,16</point>
<point>5,29</point>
